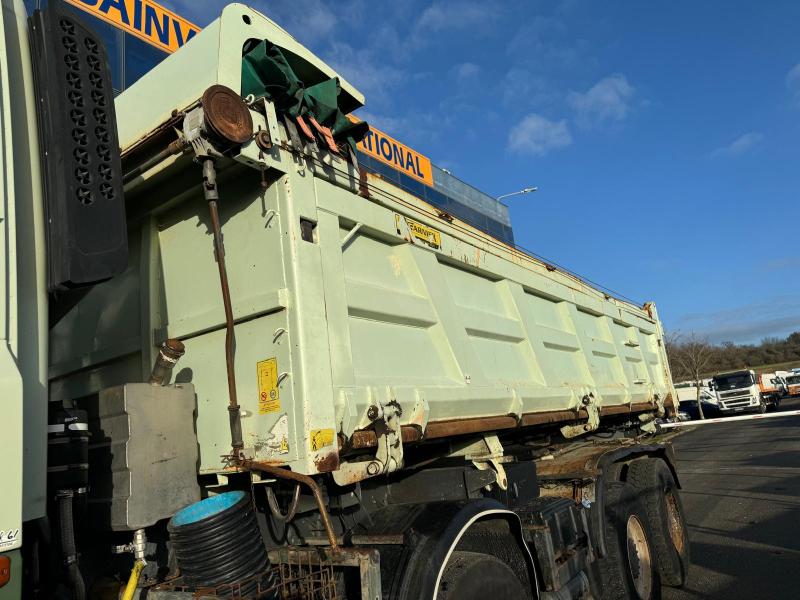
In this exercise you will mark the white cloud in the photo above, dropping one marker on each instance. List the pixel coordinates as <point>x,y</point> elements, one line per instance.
<point>537,135</point>
<point>793,76</point>
<point>454,15</point>
<point>740,145</point>
<point>607,100</point>
<point>365,70</point>
<point>466,70</point>
<point>523,90</point>
<point>793,82</point>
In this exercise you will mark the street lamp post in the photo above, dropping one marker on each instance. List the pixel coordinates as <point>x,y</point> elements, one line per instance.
<point>526,190</point>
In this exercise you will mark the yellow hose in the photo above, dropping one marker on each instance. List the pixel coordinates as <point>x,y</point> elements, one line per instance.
<point>133,581</point>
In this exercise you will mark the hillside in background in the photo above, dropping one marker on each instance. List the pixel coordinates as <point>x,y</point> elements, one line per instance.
<point>772,354</point>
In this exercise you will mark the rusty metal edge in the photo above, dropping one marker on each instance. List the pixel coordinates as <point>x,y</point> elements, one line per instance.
<point>366,438</point>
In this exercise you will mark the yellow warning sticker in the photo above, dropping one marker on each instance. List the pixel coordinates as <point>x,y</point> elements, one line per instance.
<point>321,438</point>
<point>426,235</point>
<point>269,399</point>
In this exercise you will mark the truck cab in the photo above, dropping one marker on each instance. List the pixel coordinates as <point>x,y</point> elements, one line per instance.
<point>793,385</point>
<point>739,391</point>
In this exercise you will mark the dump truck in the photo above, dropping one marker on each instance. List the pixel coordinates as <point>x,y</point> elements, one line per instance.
<point>239,363</point>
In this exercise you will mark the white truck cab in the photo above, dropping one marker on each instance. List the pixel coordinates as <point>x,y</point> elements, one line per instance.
<point>738,391</point>
<point>793,385</point>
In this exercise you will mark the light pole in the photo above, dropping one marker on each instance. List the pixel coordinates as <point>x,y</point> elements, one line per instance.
<point>526,190</point>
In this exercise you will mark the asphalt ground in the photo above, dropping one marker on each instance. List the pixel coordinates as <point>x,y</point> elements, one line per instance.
<point>741,495</point>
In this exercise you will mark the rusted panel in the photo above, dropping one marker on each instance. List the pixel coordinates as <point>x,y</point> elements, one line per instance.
<point>669,406</point>
<point>366,438</point>
<point>327,462</point>
<point>441,429</point>
<point>626,409</point>
<point>578,461</point>
<point>557,416</point>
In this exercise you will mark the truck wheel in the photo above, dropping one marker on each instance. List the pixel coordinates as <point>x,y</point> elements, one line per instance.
<point>628,571</point>
<point>762,407</point>
<point>659,494</point>
<point>476,576</point>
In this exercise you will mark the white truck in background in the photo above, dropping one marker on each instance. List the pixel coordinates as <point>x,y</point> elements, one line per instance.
<point>793,385</point>
<point>774,384</point>
<point>689,394</point>
<point>737,391</point>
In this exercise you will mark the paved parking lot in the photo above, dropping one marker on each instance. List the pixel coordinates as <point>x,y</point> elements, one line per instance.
<point>741,493</point>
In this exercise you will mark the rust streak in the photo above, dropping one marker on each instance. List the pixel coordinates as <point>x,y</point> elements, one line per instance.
<point>327,463</point>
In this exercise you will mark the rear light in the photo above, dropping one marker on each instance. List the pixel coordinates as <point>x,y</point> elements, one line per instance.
<point>5,570</point>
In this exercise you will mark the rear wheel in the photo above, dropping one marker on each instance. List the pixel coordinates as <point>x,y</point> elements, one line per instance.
<point>476,576</point>
<point>628,570</point>
<point>659,494</point>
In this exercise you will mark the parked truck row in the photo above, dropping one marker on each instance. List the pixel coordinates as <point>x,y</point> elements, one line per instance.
<point>239,364</point>
<point>738,391</point>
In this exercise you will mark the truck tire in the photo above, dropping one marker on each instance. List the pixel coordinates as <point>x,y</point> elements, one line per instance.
<point>670,540</point>
<point>628,571</point>
<point>476,576</point>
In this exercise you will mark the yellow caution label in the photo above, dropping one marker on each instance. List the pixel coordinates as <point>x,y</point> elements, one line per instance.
<point>321,438</point>
<point>269,399</point>
<point>426,235</point>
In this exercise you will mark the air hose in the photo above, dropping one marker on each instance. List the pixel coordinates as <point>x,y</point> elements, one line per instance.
<point>133,580</point>
<point>68,549</point>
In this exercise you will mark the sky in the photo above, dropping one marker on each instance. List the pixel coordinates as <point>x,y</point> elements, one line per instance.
<point>663,136</point>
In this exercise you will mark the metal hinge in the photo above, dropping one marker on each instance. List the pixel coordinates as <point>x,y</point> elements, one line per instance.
<point>589,404</point>
<point>388,458</point>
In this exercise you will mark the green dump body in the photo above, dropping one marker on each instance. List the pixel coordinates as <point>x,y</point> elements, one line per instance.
<point>381,300</point>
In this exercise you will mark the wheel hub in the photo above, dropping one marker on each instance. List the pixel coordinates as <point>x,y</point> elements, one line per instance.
<point>639,560</point>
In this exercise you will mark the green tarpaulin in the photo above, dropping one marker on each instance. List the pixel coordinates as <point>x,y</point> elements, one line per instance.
<point>272,72</point>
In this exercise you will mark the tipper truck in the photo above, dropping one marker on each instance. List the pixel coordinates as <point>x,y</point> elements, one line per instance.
<point>237,363</point>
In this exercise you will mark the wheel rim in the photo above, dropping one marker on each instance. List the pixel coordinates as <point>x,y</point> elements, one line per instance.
<point>639,560</point>
<point>675,522</point>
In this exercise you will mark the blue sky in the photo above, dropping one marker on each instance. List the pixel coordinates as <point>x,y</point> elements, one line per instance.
<point>663,137</point>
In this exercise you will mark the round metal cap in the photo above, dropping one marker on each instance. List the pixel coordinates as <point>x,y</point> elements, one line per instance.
<point>227,115</point>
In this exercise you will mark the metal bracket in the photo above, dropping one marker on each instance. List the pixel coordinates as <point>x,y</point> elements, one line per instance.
<point>389,454</point>
<point>589,404</point>
<point>486,454</point>
<point>648,421</point>
<point>659,402</point>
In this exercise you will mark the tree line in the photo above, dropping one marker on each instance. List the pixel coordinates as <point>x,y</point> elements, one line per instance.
<point>692,356</point>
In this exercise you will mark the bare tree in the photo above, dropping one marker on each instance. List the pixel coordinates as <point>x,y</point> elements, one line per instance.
<point>692,356</point>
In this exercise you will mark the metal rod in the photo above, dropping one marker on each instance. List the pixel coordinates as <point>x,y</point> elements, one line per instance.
<point>174,147</point>
<point>775,415</point>
<point>272,500</point>
<point>300,478</point>
<point>212,196</point>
